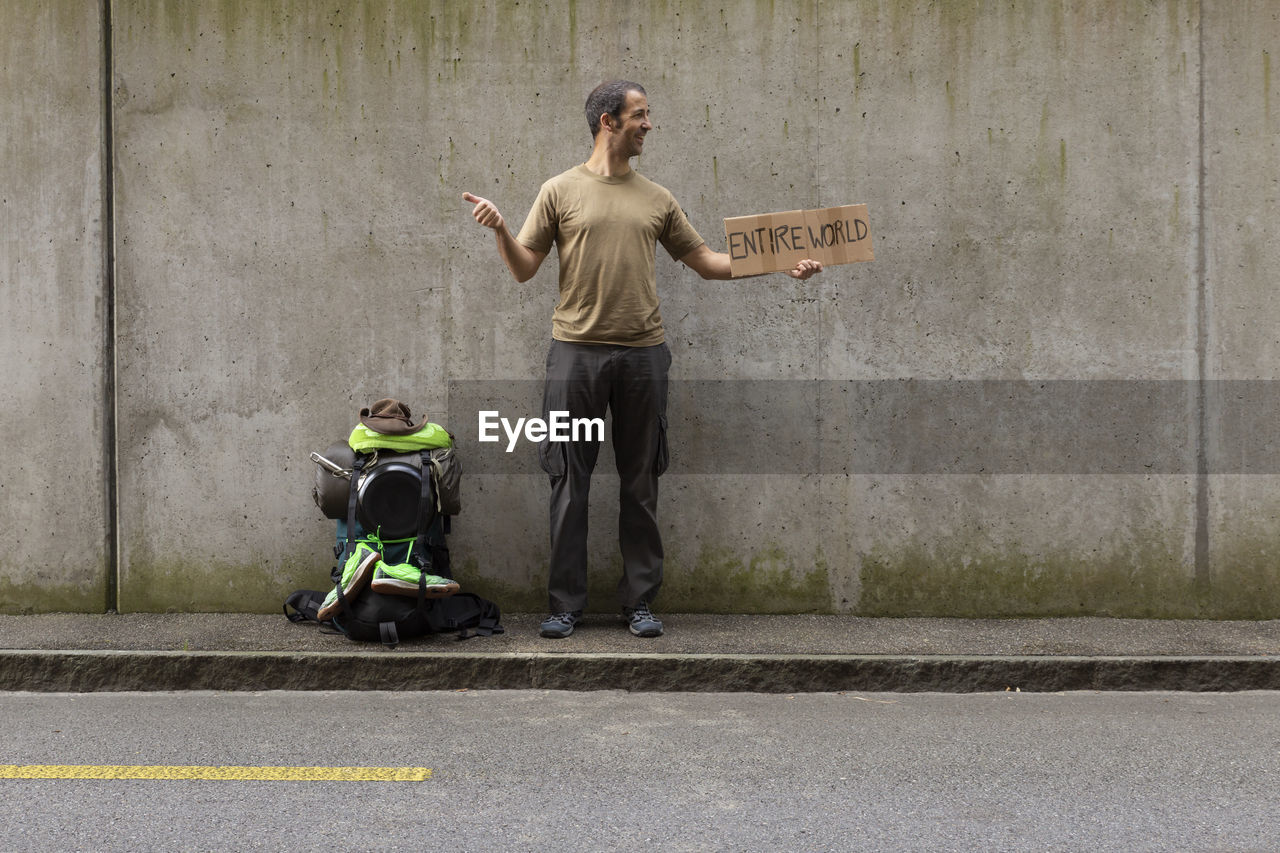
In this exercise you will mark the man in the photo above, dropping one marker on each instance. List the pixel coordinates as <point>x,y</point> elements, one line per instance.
<point>608,349</point>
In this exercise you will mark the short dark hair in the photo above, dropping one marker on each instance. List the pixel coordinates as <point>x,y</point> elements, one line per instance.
<point>609,98</point>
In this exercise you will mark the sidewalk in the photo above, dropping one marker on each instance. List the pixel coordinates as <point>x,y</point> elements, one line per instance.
<point>699,652</point>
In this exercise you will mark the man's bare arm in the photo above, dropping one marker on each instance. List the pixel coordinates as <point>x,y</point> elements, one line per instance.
<point>520,259</point>
<point>715,265</point>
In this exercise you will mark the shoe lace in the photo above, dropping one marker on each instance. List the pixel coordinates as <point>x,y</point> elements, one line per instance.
<point>565,618</point>
<point>641,613</point>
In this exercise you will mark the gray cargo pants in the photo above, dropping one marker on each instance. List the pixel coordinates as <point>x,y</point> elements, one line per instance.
<point>631,382</point>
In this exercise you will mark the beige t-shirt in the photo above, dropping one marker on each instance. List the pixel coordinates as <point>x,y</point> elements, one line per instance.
<point>605,230</point>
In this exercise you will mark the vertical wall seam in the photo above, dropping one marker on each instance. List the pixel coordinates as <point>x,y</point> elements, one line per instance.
<point>109,451</point>
<point>1202,568</point>
<point>825,510</point>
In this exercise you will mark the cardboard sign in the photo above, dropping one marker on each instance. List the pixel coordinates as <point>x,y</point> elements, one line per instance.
<point>772,242</point>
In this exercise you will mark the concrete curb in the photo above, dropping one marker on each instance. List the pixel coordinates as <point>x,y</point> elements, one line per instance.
<point>109,670</point>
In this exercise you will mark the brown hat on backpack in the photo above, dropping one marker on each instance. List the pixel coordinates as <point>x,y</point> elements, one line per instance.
<point>390,417</point>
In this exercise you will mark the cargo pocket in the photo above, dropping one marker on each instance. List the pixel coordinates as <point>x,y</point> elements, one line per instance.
<point>663,457</point>
<point>551,457</point>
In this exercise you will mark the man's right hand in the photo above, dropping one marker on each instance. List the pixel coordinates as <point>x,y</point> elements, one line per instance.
<point>521,260</point>
<point>484,212</point>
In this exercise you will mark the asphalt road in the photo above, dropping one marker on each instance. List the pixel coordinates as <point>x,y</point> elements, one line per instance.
<point>533,770</point>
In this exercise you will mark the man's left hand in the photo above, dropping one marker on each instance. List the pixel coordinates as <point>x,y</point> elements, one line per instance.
<point>805,269</point>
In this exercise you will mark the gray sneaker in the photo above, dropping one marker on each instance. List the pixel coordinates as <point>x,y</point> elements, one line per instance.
<point>642,621</point>
<point>557,626</point>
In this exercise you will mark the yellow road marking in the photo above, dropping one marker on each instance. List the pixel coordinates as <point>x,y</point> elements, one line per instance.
<point>215,774</point>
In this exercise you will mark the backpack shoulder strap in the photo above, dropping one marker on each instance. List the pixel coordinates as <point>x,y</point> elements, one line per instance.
<point>468,614</point>
<point>426,514</point>
<point>388,634</point>
<point>489,623</point>
<point>306,606</point>
<point>352,496</point>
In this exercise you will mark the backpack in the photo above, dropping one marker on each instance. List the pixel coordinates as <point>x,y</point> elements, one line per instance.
<point>406,497</point>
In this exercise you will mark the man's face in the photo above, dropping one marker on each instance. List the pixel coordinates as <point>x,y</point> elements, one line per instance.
<point>632,125</point>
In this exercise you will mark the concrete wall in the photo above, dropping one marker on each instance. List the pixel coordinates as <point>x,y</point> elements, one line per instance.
<point>54,301</point>
<point>1058,192</point>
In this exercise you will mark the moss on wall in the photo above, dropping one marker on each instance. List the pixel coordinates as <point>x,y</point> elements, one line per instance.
<point>37,594</point>
<point>770,580</point>
<point>1143,581</point>
<point>175,584</point>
